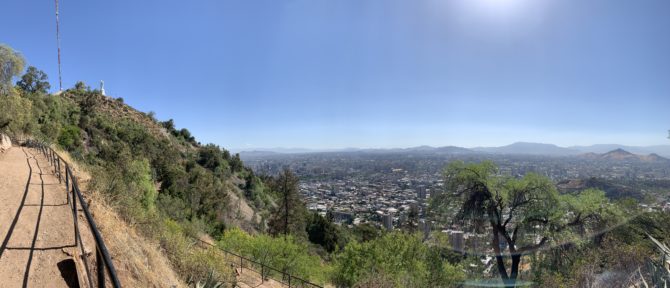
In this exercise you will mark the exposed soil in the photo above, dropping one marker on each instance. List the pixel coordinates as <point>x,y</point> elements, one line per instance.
<point>36,226</point>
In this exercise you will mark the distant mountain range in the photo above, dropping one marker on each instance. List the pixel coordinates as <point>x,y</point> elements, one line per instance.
<point>623,155</point>
<point>527,148</point>
<point>519,148</point>
<point>663,150</point>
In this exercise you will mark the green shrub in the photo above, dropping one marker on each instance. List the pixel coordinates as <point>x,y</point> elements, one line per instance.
<point>402,258</point>
<point>191,261</point>
<point>285,254</point>
<point>16,114</point>
<point>69,137</point>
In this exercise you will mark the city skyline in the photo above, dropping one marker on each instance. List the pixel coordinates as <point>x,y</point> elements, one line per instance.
<point>369,74</point>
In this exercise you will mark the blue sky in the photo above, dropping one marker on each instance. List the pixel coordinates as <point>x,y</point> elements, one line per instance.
<point>356,73</point>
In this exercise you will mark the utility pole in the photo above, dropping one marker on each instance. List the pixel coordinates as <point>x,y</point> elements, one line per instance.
<point>60,81</point>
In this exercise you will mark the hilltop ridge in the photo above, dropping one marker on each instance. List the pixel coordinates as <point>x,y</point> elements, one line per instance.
<point>620,154</point>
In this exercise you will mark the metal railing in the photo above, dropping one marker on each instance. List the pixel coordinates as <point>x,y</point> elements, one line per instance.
<point>103,262</point>
<point>265,271</point>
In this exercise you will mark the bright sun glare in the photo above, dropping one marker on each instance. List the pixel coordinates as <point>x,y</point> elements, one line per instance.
<point>498,6</point>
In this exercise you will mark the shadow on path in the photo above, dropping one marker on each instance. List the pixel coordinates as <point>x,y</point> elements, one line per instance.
<point>41,248</point>
<point>37,228</point>
<point>18,211</point>
<point>68,270</point>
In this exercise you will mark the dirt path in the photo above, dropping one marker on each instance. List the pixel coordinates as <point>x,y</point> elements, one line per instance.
<point>35,223</point>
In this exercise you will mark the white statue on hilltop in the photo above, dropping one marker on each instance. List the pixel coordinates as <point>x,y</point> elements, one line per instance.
<point>102,88</point>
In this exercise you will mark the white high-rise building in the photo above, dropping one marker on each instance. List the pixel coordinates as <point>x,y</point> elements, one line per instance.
<point>387,221</point>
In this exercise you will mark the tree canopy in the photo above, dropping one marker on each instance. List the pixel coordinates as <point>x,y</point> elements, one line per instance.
<point>34,81</point>
<point>522,215</point>
<point>11,64</point>
<point>289,215</point>
<point>396,259</point>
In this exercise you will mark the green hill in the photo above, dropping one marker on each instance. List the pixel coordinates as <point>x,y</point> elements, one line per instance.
<point>135,156</point>
<point>160,179</point>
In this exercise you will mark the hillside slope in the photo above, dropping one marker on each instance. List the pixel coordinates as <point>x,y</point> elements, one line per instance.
<point>149,138</point>
<point>155,184</point>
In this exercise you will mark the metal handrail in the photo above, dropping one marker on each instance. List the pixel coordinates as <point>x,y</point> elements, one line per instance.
<point>103,260</point>
<point>287,278</point>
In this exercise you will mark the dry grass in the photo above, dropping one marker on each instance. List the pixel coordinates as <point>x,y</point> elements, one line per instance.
<point>146,262</point>
<point>138,261</point>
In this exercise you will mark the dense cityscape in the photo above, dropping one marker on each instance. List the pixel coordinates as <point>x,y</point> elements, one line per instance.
<point>390,190</point>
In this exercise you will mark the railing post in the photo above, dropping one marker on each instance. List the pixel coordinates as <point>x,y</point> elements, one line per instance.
<point>100,266</point>
<point>59,175</point>
<point>74,212</point>
<point>67,182</point>
<point>262,273</point>
<point>289,280</point>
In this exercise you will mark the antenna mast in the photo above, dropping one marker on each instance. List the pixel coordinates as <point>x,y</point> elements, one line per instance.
<point>60,81</point>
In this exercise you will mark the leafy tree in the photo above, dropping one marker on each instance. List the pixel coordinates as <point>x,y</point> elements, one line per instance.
<point>11,64</point>
<point>412,222</point>
<point>517,211</point>
<point>16,114</point>
<point>255,190</point>
<point>186,135</point>
<point>236,163</point>
<point>288,217</point>
<point>81,86</point>
<point>366,232</point>
<point>250,185</point>
<point>207,197</point>
<point>70,137</point>
<point>34,81</point>
<point>169,125</point>
<point>322,231</point>
<point>210,157</point>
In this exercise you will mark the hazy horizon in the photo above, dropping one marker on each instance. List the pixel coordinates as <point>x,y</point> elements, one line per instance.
<point>270,149</point>
<point>324,74</point>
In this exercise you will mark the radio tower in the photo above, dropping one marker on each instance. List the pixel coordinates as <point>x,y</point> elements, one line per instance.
<point>60,81</point>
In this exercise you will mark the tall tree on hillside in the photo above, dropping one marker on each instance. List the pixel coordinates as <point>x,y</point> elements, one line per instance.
<point>34,81</point>
<point>11,64</point>
<point>322,231</point>
<point>289,215</point>
<point>522,215</point>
